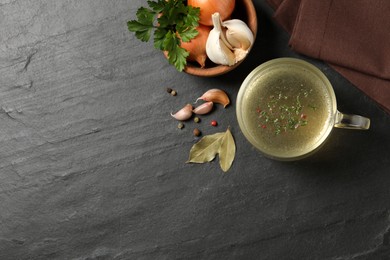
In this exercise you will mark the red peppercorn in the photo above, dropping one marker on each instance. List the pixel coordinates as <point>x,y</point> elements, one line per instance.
<point>214,123</point>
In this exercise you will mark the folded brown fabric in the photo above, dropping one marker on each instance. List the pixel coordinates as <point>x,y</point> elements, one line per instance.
<point>351,36</point>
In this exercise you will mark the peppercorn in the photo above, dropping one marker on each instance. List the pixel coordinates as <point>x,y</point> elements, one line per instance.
<point>173,93</point>
<point>196,119</point>
<point>180,125</point>
<point>196,132</point>
<point>169,90</point>
<point>214,123</point>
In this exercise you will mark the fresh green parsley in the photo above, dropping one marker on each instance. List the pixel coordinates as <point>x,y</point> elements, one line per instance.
<point>171,21</point>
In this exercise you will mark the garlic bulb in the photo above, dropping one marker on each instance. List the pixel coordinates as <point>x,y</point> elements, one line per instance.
<point>218,49</point>
<point>229,41</point>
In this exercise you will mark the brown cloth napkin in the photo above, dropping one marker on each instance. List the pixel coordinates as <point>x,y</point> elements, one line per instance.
<point>352,36</point>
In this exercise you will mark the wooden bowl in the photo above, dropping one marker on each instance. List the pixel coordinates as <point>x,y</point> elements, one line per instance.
<point>245,11</point>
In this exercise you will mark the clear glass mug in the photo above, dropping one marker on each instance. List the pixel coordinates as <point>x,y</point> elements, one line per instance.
<point>287,108</point>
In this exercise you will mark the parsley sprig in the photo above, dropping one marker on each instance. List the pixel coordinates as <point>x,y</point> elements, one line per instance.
<point>171,21</point>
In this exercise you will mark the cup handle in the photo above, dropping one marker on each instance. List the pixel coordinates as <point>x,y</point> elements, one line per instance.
<point>351,121</point>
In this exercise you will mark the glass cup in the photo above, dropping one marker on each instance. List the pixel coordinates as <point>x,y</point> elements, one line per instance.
<point>287,108</point>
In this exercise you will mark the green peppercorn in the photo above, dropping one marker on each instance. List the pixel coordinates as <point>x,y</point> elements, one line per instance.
<point>196,119</point>
<point>196,132</point>
<point>173,93</point>
<point>180,125</point>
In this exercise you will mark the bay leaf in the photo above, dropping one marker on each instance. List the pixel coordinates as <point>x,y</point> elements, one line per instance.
<point>206,149</point>
<point>210,145</point>
<point>227,151</point>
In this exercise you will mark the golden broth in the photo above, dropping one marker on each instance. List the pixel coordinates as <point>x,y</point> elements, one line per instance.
<point>287,111</point>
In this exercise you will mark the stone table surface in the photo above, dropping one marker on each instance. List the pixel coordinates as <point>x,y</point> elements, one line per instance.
<point>92,166</point>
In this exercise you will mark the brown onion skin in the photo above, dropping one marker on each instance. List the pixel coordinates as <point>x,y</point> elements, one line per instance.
<point>197,46</point>
<point>208,7</point>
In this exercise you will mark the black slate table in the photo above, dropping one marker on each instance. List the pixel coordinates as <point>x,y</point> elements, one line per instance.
<point>93,166</point>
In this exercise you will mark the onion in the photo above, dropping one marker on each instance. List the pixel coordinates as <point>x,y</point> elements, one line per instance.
<point>208,7</point>
<point>197,46</point>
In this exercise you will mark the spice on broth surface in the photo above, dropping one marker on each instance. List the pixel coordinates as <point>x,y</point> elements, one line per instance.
<point>281,113</point>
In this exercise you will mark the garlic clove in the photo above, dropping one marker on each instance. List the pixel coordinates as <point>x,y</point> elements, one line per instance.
<point>238,34</point>
<point>230,58</point>
<point>184,113</point>
<point>216,96</point>
<point>204,108</point>
<point>218,49</point>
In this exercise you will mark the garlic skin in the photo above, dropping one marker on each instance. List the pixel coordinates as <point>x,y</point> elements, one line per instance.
<point>216,96</point>
<point>203,109</point>
<point>229,41</point>
<point>183,114</point>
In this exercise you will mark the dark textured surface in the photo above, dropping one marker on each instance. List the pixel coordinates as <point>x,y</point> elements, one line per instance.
<point>93,167</point>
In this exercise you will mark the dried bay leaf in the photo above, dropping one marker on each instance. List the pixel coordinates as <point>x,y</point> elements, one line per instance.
<point>206,149</point>
<point>210,145</point>
<point>227,151</point>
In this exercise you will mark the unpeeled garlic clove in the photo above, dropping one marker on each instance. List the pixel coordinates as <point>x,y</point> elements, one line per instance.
<point>184,113</point>
<point>204,108</point>
<point>215,95</point>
